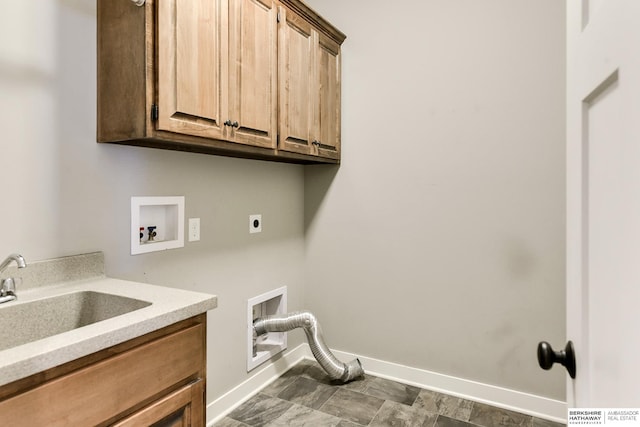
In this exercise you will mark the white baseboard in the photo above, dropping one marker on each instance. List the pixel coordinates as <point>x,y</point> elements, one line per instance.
<point>541,407</point>
<point>530,404</point>
<point>229,401</point>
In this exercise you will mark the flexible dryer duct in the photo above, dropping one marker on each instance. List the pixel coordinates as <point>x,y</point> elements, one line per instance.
<point>336,369</point>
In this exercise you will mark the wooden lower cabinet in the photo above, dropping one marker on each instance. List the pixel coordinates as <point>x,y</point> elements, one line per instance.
<point>154,380</point>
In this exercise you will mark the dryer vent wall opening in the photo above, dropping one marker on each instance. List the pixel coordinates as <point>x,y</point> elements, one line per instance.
<point>336,369</point>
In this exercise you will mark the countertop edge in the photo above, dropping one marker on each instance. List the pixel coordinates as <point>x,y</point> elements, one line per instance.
<point>169,306</point>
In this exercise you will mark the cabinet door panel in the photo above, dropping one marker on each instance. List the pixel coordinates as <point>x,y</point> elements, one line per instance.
<point>328,126</point>
<point>296,83</point>
<point>190,46</point>
<point>182,408</point>
<point>253,71</point>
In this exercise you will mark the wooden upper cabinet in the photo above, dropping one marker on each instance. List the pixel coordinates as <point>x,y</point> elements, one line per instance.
<point>191,44</point>
<point>309,88</point>
<point>217,69</point>
<point>243,78</point>
<point>296,83</point>
<point>327,141</point>
<point>252,72</point>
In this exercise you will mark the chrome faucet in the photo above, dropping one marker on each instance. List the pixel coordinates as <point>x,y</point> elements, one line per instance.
<point>8,285</point>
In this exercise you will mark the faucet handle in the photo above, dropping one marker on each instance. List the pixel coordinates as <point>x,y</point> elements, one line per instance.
<point>8,287</point>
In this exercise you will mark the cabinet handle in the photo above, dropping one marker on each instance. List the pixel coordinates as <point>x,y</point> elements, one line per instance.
<point>235,125</point>
<point>227,123</point>
<point>315,142</point>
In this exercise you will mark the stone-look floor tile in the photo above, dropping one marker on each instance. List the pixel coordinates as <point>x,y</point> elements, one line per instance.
<point>399,415</point>
<point>430,421</point>
<point>444,421</point>
<point>296,399</point>
<point>490,416</point>
<point>538,422</point>
<point>454,407</point>
<point>229,422</point>
<point>278,386</point>
<point>307,392</point>
<point>301,367</point>
<point>286,379</point>
<point>427,400</point>
<point>392,390</point>
<point>352,406</point>
<point>359,384</point>
<point>345,423</point>
<point>301,416</point>
<point>443,404</point>
<point>260,410</point>
<point>315,372</point>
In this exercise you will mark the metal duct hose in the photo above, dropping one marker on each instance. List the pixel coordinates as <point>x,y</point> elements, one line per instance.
<point>336,369</point>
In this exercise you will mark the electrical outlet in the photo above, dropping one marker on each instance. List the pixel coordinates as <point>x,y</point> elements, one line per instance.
<point>194,229</point>
<point>255,223</point>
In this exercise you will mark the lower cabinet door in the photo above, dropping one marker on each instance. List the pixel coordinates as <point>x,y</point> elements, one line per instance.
<point>182,408</point>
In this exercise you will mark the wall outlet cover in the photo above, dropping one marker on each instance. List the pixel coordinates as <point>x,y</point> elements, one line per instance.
<point>255,223</point>
<point>194,229</point>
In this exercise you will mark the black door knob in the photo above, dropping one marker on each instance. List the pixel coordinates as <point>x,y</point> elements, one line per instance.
<point>547,357</point>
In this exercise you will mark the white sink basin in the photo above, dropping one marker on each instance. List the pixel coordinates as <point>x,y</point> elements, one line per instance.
<point>35,320</point>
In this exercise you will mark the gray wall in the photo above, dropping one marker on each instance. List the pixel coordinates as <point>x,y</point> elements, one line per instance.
<point>65,194</point>
<point>440,239</point>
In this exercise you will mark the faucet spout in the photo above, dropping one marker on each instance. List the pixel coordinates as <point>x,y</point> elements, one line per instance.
<point>13,257</point>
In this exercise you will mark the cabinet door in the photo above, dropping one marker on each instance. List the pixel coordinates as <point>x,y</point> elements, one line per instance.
<point>182,408</point>
<point>327,137</point>
<point>103,390</point>
<point>253,72</point>
<point>296,83</point>
<point>191,43</point>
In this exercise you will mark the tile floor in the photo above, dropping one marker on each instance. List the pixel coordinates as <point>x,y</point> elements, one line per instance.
<point>304,396</point>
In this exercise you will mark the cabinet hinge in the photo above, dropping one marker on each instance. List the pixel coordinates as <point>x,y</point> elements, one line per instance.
<point>155,113</point>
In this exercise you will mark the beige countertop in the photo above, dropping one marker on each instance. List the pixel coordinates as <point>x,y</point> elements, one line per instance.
<point>168,306</point>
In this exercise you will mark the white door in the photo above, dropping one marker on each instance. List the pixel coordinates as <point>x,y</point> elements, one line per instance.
<point>603,201</point>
